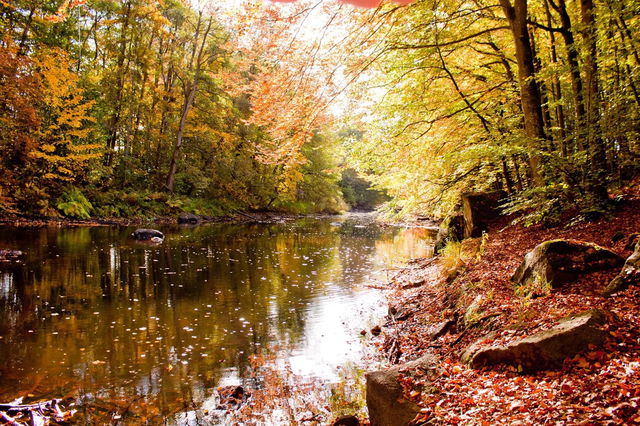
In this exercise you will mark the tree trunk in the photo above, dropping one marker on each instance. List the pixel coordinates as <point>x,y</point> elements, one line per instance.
<point>574,70</point>
<point>186,106</point>
<point>190,94</point>
<point>556,89</point>
<point>529,90</point>
<point>597,180</point>
<point>114,122</point>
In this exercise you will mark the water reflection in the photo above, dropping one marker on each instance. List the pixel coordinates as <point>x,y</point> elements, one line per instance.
<point>91,314</point>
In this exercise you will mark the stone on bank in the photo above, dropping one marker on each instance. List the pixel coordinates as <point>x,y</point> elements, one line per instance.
<point>386,403</point>
<point>557,262</point>
<point>544,350</point>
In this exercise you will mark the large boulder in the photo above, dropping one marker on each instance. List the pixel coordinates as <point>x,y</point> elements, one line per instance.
<point>479,209</point>
<point>629,275</point>
<point>544,350</point>
<point>189,219</point>
<point>349,420</point>
<point>451,229</point>
<point>147,235</point>
<point>386,403</point>
<point>557,262</point>
<point>632,240</point>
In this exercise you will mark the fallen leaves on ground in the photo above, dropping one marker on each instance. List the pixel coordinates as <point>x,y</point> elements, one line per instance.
<point>599,386</point>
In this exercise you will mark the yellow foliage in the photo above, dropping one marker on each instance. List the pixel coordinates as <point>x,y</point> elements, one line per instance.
<point>64,131</point>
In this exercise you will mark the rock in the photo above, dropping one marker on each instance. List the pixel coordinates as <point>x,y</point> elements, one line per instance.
<point>441,328</point>
<point>189,218</point>
<point>557,262</point>
<point>231,397</point>
<point>7,255</point>
<point>147,235</point>
<point>385,400</point>
<point>346,421</point>
<point>376,330</point>
<point>629,275</point>
<point>544,350</point>
<point>416,282</point>
<point>632,240</point>
<point>396,315</point>
<point>451,229</point>
<point>238,392</point>
<point>617,237</point>
<point>479,209</point>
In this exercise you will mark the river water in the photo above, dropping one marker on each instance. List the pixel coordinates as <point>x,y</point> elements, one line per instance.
<point>92,315</point>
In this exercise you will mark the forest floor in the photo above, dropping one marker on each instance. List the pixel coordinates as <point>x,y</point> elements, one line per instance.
<point>600,386</point>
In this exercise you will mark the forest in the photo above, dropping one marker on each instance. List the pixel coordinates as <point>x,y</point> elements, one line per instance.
<point>125,108</point>
<point>502,134</point>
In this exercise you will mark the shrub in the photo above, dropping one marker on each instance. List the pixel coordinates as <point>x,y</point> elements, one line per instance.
<point>74,204</point>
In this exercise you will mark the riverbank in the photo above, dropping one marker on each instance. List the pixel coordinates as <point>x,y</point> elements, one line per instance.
<point>439,308</point>
<point>32,221</point>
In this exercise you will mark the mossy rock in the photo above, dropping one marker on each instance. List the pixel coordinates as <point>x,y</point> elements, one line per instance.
<point>544,350</point>
<point>557,262</point>
<point>479,210</point>
<point>386,402</point>
<point>630,274</point>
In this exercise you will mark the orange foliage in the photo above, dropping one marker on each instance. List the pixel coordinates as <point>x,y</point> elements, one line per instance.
<point>288,94</point>
<point>63,10</point>
<point>43,125</point>
<point>19,97</point>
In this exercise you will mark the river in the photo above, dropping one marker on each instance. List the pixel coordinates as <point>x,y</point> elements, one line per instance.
<point>147,331</point>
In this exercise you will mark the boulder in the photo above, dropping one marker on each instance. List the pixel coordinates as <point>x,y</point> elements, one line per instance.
<point>441,328</point>
<point>629,275</point>
<point>479,209</point>
<point>557,262</point>
<point>632,240</point>
<point>147,235</point>
<point>544,350</point>
<point>346,421</point>
<point>451,229</point>
<point>231,397</point>
<point>189,219</point>
<point>386,403</point>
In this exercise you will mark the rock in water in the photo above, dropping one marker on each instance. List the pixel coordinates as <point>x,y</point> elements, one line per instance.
<point>7,255</point>
<point>480,208</point>
<point>148,235</point>
<point>544,350</point>
<point>557,262</point>
<point>629,275</point>
<point>385,400</point>
<point>189,218</point>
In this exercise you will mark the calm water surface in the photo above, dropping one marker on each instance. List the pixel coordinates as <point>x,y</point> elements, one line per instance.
<point>90,314</point>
